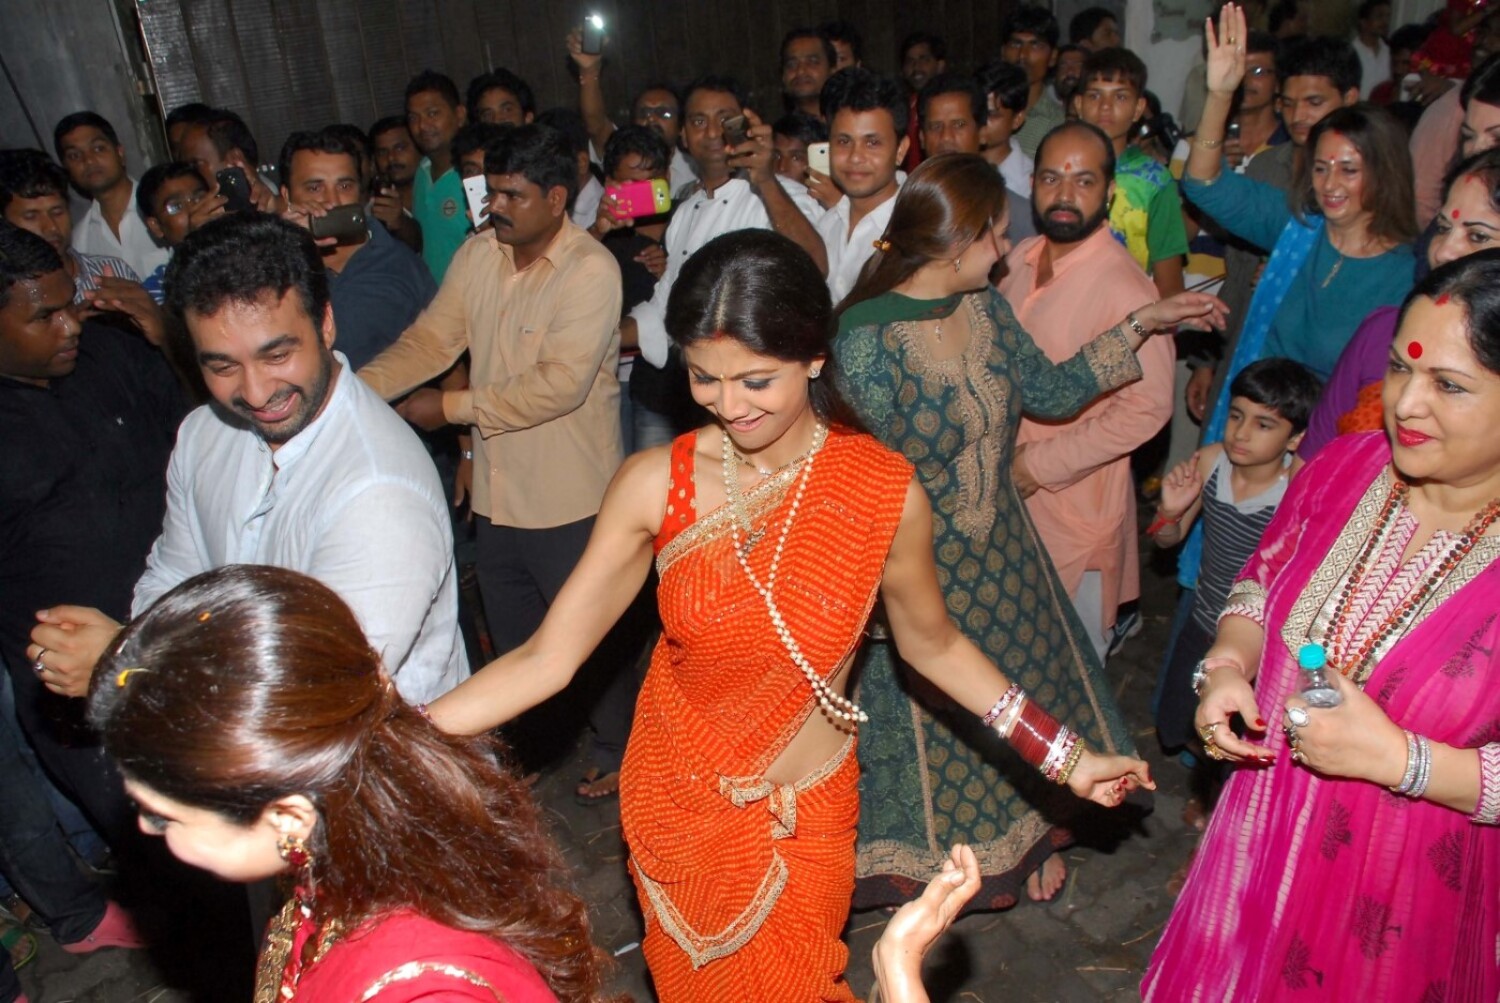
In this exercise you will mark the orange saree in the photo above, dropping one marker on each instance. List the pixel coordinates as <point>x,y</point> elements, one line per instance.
<point>745,884</point>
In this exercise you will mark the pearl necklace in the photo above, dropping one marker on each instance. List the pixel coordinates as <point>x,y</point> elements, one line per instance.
<point>831,702</point>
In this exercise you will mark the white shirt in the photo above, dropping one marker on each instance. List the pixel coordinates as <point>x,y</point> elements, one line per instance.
<point>586,203</point>
<point>1374,66</point>
<point>135,245</point>
<point>696,221</point>
<point>849,250</point>
<point>1015,170</point>
<point>352,500</point>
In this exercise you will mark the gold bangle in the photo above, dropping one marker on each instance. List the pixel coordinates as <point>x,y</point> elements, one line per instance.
<point>1208,144</point>
<point>1074,755</point>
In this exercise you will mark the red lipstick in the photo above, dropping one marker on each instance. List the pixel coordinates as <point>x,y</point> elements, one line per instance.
<point>1407,437</point>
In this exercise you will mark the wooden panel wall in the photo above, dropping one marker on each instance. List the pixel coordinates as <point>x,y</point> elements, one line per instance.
<point>300,64</point>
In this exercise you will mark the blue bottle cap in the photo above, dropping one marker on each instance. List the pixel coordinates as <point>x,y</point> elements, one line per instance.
<point>1312,656</point>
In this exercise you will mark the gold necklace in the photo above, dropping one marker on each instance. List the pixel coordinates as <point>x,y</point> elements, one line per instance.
<point>736,498</point>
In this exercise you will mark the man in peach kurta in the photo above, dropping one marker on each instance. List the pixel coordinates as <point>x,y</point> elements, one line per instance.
<point>1066,285</point>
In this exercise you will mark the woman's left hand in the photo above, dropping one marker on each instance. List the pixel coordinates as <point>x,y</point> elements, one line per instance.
<point>1107,779</point>
<point>1355,739</point>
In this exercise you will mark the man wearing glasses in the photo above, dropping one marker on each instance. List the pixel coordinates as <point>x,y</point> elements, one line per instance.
<point>174,201</point>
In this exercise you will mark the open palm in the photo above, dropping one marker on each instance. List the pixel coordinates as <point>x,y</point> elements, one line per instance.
<point>1226,50</point>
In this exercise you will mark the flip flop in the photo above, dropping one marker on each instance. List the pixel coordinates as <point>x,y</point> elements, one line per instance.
<point>20,945</point>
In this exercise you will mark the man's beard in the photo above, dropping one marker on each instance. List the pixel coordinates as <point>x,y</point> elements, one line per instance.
<point>313,396</point>
<point>1069,231</point>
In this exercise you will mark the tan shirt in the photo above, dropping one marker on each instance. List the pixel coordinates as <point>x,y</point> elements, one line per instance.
<point>543,402</point>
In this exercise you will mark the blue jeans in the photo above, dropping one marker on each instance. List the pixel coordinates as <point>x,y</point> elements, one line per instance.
<point>33,854</point>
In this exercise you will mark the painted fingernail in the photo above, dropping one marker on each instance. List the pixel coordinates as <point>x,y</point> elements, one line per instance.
<point>1260,723</point>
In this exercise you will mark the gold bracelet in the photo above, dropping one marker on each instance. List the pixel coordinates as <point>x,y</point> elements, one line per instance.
<point>1208,144</point>
<point>1074,755</point>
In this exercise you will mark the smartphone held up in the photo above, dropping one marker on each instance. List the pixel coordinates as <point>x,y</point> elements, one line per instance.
<point>593,35</point>
<point>639,199</point>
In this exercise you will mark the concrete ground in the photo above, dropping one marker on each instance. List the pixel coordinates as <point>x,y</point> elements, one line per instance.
<point>1090,944</point>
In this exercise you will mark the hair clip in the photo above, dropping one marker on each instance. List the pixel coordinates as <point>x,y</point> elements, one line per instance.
<point>883,246</point>
<point>203,617</point>
<point>124,674</point>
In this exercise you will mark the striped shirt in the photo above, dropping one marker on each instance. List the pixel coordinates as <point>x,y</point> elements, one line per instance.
<point>1231,532</point>
<point>92,268</point>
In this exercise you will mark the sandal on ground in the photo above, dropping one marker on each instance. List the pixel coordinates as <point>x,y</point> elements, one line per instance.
<point>20,945</point>
<point>596,785</point>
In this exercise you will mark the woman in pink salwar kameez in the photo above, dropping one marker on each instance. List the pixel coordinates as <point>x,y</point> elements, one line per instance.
<point>1354,855</point>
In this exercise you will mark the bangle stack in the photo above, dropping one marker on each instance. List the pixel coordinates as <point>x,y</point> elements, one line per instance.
<point>1036,736</point>
<point>1418,768</point>
<point>1487,811</point>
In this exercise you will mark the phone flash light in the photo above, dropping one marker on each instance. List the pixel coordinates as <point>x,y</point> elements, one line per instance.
<point>596,21</point>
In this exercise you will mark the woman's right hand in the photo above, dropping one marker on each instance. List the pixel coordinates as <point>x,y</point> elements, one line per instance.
<point>1164,315</point>
<point>1226,693</point>
<point>1226,50</point>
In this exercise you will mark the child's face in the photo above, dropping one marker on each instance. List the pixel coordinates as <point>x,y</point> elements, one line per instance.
<point>1255,435</point>
<point>999,124</point>
<point>790,157</point>
<point>1112,105</point>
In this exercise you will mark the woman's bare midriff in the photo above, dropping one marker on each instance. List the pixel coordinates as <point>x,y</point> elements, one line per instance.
<point>818,741</point>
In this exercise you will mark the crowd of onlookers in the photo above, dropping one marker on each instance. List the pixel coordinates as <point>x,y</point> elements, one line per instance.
<point>501,276</point>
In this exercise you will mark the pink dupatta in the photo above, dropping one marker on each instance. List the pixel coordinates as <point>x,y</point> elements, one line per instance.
<point>1308,888</point>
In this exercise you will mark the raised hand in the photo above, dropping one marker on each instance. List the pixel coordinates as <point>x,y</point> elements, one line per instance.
<point>583,59</point>
<point>917,926</point>
<point>1181,487</point>
<point>1226,50</point>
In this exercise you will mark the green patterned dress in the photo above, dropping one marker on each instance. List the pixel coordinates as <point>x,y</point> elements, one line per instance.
<point>932,775</point>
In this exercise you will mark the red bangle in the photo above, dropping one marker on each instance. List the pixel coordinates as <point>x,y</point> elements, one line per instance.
<point>1161,523</point>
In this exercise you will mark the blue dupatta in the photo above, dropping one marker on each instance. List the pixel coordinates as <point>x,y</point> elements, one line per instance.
<point>1291,252</point>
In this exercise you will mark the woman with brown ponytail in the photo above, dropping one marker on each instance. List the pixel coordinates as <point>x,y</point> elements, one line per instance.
<point>260,736</point>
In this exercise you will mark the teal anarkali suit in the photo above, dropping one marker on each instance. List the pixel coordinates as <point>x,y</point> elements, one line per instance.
<point>931,774</point>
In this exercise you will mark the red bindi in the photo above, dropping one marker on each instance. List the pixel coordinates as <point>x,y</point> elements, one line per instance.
<point>1414,350</point>
<point>1455,214</point>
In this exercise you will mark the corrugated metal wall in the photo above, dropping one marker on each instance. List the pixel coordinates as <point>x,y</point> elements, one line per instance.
<point>298,64</point>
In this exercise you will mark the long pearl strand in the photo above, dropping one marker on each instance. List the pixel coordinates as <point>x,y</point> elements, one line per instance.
<point>831,702</point>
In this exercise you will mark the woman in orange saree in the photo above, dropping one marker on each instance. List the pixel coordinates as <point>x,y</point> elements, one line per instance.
<point>773,531</point>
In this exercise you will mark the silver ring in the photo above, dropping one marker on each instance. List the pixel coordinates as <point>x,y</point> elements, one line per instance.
<point>1298,716</point>
<point>37,665</point>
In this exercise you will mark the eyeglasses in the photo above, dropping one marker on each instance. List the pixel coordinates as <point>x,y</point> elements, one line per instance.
<point>661,111</point>
<point>174,207</point>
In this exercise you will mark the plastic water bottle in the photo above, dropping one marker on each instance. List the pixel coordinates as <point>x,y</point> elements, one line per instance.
<point>1317,689</point>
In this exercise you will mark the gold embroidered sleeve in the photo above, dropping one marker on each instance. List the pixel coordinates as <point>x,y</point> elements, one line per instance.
<point>1248,599</point>
<point>1112,360</point>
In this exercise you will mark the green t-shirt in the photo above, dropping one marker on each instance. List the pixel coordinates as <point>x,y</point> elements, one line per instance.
<point>438,207</point>
<point>1147,212</point>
